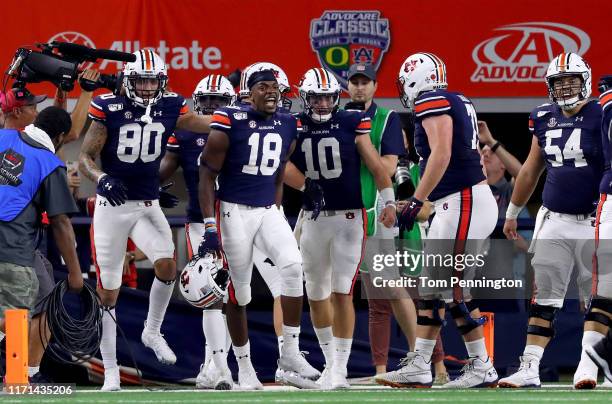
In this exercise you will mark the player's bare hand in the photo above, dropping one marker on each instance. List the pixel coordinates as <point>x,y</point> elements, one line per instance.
<point>510,229</point>
<point>388,216</point>
<point>484,134</point>
<point>75,281</point>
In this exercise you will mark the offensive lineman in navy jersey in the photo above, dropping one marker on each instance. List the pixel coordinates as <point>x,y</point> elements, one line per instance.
<point>446,138</point>
<point>246,153</point>
<point>567,143</point>
<point>329,152</point>
<point>129,132</point>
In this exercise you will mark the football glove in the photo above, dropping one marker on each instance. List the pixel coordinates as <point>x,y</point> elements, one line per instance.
<point>166,199</point>
<point>315,193</point>
<point>112,189</point>
<point>408,215</point>
<point>210,243</point>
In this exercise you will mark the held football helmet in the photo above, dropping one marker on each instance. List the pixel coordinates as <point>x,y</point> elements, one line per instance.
<point>318,82</point>
<point>281,77</point>
<point>420,72</point>
<point>139,75</point>
<point>204,281</point>
<point>213,92</point>
<point>564,65</point>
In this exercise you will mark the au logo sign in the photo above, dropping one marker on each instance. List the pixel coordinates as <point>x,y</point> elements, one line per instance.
<point>341,38</point>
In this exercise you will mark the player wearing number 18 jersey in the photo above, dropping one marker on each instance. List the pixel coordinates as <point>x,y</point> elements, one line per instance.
<point>129,132</point>
<point>567,143</point>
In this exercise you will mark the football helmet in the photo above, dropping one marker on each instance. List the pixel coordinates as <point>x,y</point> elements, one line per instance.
<point>281,77</point>
<point>204,281</point>
<point>317,82</point>
<point>568,64</point>
<point>420,72</point>
<point>136,76</point>
<point>213,92</point>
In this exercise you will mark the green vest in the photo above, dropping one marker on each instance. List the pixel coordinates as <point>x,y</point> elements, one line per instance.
<point>369,193</point>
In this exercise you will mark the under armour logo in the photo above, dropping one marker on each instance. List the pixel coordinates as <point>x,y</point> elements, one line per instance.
<point>579,118</point>
<point>108,187</point>
<point>226,214</point>
<point>335,126</point>
<point>277,123</point>
<point>102,203</point>
<point>269,261</point>
<point>157,113</point>
<point>350,215</point>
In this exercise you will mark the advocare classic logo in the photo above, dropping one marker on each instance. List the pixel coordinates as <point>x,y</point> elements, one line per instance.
<point>524,50</point>
<point>341,38</point>
<point>76,38</point>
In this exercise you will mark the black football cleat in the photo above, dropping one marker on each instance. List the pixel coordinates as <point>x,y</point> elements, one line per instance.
<point>601,354</point>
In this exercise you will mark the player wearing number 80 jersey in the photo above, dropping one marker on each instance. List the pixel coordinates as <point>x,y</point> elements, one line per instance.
<point>567,143</point>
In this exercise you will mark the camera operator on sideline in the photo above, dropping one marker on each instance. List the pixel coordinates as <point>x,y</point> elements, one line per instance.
<point>32,181</point>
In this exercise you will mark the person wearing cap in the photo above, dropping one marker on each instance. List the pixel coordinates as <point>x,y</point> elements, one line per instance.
<point>387,137</point>
<point>33,180</point>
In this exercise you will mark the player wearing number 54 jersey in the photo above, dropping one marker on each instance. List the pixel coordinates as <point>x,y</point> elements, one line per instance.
<point>567,143</point>
<point>246,152</point>
<point>129,133</point>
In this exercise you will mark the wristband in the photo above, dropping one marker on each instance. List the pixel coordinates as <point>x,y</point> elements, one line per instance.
<point>495,146</point>
<point>210,224</point>
<point>387,195</point>
<point>513,211</point>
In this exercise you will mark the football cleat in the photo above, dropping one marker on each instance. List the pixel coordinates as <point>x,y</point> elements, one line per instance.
<point>414,372</point>
<point>527,375</point>
<point>601,354</point>
<point>112,381</point>
<point>247,379</point>
<point>585,377</point>
<point>224,380</point>
<point>338,379</point>
<point>158,344</point>
<point>207,376</point>
<point>296,371</point>
<point>607,384</point>
<point>475,374</point>
<point>325,380</point>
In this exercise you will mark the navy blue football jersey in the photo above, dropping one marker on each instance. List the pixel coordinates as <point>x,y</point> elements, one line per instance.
<point>133,150</point>
<point>258,148</point>
<point>189,146</point>
<point>571,148</point>
<point>327,153</point>
<point>605,100</point>
<point>464,169</point>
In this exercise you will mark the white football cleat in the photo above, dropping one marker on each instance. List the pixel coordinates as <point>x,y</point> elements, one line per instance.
<point>527,375</point>
<point>338,379</point>
<point>247,379</point>
<point>296,371</point>
<point>414,372</point>
<point>585,377</point>
<point>112,381</point>
<point>475,374</point>
<point>224,381</point>
<point>207,376</point>
<point>607,384</point>
<point>325,380</point>
<point>158,344</point>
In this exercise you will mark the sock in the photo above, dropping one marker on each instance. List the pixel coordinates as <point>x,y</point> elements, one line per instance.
<point>326,342</point>
<point>477,349</point>
<point>425,348</point>
<point>228,337</point>
<point>280,344</point>
<point>214,332</point>
<point>108,344</point>
<point>589,338</point>
<point>160,295</point>
<point>243,355</point>
<point>291,340</point>
<point>341,353</point>
<point>32,370</point>
<point>535,351</point>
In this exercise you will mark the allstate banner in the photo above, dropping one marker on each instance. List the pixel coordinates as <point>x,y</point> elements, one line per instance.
<point>492,48</point>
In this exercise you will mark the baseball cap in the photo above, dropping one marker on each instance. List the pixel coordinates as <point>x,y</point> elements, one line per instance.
<point>366,70</point>
<point>18,97</point>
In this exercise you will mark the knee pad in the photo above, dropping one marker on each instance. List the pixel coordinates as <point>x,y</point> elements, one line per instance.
<point>601,304</point>
<point>463,310</point>
<point>547,313</point>
<point>292,280</point>
<point>434,305</point>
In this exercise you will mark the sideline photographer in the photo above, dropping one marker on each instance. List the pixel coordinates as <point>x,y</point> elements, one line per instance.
<point>33,180</point>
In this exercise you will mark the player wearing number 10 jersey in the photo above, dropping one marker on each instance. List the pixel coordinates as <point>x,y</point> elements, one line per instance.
<point>567,143</point>
<point>129,132</point>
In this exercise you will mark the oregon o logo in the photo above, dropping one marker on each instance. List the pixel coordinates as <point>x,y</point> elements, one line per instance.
<point>337,56</point>
<point>76,38</point>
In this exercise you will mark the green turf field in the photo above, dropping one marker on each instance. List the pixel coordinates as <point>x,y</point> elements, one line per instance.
<point>363,395</point>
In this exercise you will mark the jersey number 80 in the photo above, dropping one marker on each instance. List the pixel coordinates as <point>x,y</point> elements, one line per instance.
<point>134,142</point>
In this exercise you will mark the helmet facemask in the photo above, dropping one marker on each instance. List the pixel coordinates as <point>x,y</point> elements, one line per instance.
<point>206,104</point>
<point>567,90</point>
<point>320,107</point>
<point>145,90</point>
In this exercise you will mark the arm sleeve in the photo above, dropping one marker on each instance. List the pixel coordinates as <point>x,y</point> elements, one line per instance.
<point>431,105</point>
<point>392,141</point>
<point>56,196</point>
<point>221,121</point>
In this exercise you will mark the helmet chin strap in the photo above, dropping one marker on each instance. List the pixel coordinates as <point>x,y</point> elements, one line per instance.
<point>320,118</point>
<point>146,118</point>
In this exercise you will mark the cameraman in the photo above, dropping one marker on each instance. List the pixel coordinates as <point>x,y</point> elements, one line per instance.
<point>33,180</point>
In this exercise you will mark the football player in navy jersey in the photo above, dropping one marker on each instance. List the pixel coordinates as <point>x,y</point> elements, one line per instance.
<point>329,152</point>
<point>246,153</point>
<point>446,138</point>
<point>567,144</point>
<point>129,133</point>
